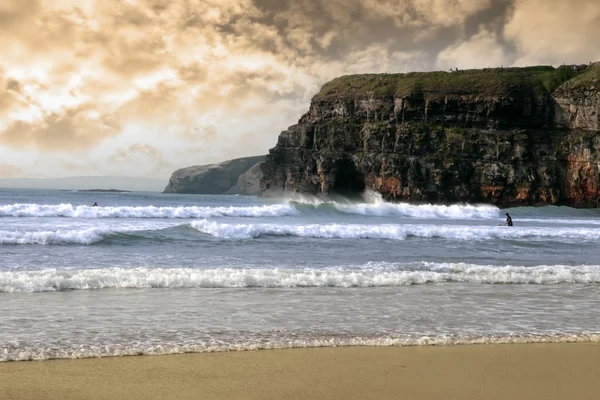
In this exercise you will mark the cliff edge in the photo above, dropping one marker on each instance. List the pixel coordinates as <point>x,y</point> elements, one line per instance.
<point>506,136</point>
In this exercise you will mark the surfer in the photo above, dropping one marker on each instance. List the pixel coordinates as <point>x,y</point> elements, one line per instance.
<point>95,204</point>
<point>508,220</point>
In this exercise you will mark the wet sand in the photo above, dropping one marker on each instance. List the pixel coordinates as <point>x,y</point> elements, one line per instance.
<point>531,371</point>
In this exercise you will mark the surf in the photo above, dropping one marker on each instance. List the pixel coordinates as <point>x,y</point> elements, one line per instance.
<point>181,212</point>
<point>373,274</point>
<point>66,350</point>
<point>392,231</point>
<point>81,235</point>
<point>374,206</point>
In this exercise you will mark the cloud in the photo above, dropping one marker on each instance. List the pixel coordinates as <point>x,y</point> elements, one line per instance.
<point>140,86</point>
<point>555,31</point>
<point>143,154</point>
<point>13,12</point>
<point>480,51</point>
<point>11,171</point>
<point>75,129</point>
<point>427,13</point>
<point>8,87</point>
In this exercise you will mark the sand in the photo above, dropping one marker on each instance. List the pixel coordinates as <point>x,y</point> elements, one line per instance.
<point>531,371</point>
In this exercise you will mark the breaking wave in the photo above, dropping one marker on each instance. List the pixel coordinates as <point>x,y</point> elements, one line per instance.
<point>63,236</point>
<point>392,232</point>
<point>374,205</point>
<point>129,233</point>
<point>80,235</point>
<point>70,211</point>
<point>374,274</point>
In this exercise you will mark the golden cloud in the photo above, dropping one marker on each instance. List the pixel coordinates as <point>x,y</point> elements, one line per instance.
<point>555,31</point>
<point>11,171</point>
<point>8,88</point>
<point>188,82</point>
<point>481,51</point>
<point>146,154</point>
<point>75,129</point>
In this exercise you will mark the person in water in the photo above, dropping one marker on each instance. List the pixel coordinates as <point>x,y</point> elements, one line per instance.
<point>508,220</point>
<point>95,204</point>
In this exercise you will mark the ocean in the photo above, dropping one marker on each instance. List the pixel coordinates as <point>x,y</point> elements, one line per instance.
<point>150,273</point>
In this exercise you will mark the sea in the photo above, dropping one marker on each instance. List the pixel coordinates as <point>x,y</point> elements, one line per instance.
<point>150,273</point>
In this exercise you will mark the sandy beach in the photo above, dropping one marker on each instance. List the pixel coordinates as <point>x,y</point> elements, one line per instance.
<point>532,371</point>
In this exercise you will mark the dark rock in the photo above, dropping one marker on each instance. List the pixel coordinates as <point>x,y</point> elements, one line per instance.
<point>510,137</point>
<point>211,179</point>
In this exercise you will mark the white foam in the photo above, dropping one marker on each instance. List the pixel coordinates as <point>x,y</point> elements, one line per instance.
<point>369,275</point>
<point>74,236</point>
<point>426,211</point>
<point>563,221</point>
<point>68,210</point>
<point>139,347</point>
<point>374,205</point>
<point>392,231</point>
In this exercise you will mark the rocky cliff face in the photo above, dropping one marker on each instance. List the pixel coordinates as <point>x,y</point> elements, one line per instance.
<point>215,178</point>
<point>510,137</point>
<point>249,182</point>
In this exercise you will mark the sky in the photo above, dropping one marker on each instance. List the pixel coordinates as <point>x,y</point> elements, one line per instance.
<point>143,87</point>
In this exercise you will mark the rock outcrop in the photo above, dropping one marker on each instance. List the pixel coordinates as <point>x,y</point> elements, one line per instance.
<point>249,182</point>
<point>218,178</point>
<point>509,137</point>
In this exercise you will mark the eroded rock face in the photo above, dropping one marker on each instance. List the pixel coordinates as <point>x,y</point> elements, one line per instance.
<point>249,182</point>
<point>577,102</point>
<point>212,179</point>
<point>531,138</point>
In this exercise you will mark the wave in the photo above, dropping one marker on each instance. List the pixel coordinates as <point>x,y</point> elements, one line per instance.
<point>569,221</point>
<point>49,351</point>
<point>380,274</point>
<point>73,236</point>
<point>425,211</point>
<point>70,211</point>
<point>376,206</point>
<point>92,235</point>
<point>392,232</point>
<point>80,236</point>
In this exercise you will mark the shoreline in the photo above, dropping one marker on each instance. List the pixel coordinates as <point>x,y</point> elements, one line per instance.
<point>492,371</point>
<point>23,355</point>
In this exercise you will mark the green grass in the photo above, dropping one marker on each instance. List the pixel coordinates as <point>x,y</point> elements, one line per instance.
<point>495,81</point>
<point>590,77</point>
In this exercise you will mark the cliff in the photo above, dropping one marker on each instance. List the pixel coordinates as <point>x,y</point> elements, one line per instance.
<point>509,137</point>
<point>216,178</point>
<point>249,182</point>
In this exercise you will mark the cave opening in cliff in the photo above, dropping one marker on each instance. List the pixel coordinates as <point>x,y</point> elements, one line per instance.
<point>349,182</point>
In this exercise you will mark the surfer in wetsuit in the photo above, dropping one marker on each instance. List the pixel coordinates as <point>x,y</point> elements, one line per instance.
<point>508,220</point>
<point>95,204</point>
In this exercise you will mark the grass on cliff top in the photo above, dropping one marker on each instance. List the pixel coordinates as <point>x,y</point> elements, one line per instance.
<point>488,81</point>
<point>588,79</point>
